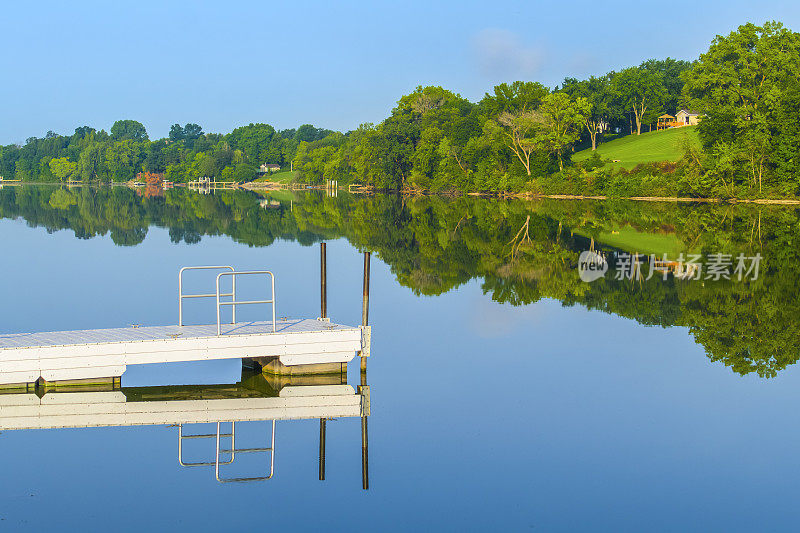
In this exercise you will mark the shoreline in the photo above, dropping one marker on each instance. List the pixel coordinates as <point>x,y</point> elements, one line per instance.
<point>272,186</point>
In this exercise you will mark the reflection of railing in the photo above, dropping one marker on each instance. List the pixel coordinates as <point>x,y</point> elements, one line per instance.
<point>232,452</point>
<point>234,303</point>
<point>181,296</point>
<point>235,450</point>
<point>182,437</point>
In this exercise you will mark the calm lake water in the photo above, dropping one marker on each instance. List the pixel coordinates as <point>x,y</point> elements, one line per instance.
<point>506,393</point>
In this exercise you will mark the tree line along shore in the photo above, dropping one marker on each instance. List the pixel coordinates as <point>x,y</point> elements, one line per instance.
<point>522,137</point>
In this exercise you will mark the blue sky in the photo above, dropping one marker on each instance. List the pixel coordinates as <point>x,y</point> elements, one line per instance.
<point>333,64</point>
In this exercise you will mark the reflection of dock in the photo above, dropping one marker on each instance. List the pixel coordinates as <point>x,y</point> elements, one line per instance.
<point>206,185</point>
<point>136,406</point>
<point>256,398</point>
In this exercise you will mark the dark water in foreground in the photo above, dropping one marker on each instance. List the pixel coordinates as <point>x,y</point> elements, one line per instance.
<point>505,392</point>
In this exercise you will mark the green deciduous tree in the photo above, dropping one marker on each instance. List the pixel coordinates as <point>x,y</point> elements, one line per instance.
<point>639,91</point>
<point>62,168</point>
<point>599,97</point>
<point>561,118</point>
<point>128,130</point>
<point>746,84</point>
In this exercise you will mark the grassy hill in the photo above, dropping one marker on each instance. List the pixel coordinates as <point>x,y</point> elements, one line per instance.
<point>282,176</point>
<point>631,150</point>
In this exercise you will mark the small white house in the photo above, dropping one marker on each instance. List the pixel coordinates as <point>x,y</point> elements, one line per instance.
<point>685,117</point>
<point>268,168</point>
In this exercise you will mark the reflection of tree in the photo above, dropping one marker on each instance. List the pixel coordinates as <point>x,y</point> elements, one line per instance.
<point>435,244</point>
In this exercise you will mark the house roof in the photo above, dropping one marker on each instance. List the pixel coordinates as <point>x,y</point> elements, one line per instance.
<point>692,113</point>
<point>666,115</point>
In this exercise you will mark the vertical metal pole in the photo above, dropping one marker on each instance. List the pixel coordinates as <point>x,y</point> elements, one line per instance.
<point>323,280</point>
<point>365,301</point>
<point>322,430</point>
<point>219,326</point>
<point>233,291</point>
<point>180,298</point>
<point>272,278</point>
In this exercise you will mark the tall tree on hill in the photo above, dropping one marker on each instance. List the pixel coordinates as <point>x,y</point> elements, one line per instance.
<point>517,97</point>
<point>599,97</point>
<point>639,90</point>
<point>519,133</point>
<point>561,118</point>
<point>671,71</point>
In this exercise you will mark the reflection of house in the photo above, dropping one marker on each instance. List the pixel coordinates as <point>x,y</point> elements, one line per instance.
<point>269,204</point>
<point>267,168</point>
<point>679,269</point>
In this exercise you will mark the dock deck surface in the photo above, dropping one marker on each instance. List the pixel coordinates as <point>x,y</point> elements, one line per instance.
<point>155,333</point>
<point>96,353</point>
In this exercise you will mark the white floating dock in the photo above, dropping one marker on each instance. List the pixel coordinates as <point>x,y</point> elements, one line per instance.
<point>103,353</point>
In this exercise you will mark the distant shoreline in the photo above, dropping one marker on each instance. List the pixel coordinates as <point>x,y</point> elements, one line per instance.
<point>500,195</point>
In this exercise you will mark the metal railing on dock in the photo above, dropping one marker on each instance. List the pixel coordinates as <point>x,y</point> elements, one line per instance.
<point>181,296</point>
<point>234,303</point>
<point>218,295</point>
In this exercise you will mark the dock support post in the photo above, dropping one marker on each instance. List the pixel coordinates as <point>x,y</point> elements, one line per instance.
<point>323,280</point>
<point>365,304</point>
<point>322,430</point>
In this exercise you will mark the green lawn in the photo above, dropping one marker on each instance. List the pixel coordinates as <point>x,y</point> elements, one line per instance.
<point>282,176</point>
<point>631,150</point>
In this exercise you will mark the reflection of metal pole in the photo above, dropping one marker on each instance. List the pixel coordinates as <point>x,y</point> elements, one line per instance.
<point>363,391</point>
<point>323,279</point>
<point>364,455</point>
<point>365,301</point>
<point>365,304</point>
<point>322,449</point>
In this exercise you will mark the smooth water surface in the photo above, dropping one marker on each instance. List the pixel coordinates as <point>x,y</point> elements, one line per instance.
<point>506,393</point>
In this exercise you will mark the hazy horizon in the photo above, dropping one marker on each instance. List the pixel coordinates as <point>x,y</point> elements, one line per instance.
<point>334,66</point>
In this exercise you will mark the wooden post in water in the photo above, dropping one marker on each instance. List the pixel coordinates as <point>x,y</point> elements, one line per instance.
<point>323,281</point>
<point>322,429</point>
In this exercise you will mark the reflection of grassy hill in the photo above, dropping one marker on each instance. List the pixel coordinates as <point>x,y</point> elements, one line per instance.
<point>631,150</point>
<point>628,239</point>
<point>282,195</point>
